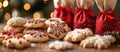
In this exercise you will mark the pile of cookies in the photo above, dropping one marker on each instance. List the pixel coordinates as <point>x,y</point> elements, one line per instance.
<point>15,23</point>
<point>19,33</point>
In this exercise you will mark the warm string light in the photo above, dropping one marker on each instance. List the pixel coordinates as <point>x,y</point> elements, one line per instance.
<point>27,6</point>
<point>0,4</point>
<point>45,1</point>
<point>7,16</point>
<point>36,15</point>
<point>5,3</point>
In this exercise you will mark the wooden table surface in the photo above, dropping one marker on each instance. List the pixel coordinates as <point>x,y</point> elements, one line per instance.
<point>42,47</point>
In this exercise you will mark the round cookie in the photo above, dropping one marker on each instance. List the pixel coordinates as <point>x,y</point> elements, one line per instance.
<point>52,20</point>
<point>18,43</point>
<point>11,33</point>
<point>13,28</point>
<point>58,30</point>
<point>35,23</point>
<point>16,21</point>
<point>36,36</point>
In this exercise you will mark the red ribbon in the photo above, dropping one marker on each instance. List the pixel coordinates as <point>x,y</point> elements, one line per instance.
<point>109,14</point>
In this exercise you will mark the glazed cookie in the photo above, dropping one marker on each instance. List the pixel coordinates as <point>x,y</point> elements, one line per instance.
<point>11,33</point>
<point>36,36</point>
<point>35,23</point>
<point>16,21</point>
<point>98,41</point>
<point>78,35</point>
<point>13,28</point>
<point>60,45</point>
<point>18,43</point>
<point>58,30</point>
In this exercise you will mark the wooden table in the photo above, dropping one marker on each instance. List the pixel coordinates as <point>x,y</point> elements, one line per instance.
<point>42,47</point>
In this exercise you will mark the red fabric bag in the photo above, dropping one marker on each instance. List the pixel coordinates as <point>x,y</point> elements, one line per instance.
<point>84,18</point>
<point>106,20</point>
<point>65,14</point>
<point>63,10</point>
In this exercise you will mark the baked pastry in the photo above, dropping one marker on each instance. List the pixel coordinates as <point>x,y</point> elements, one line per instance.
<point>78,35</point>
<point>11,33</point>
<point>16,21</point>
<point>7,27</point>
<point>58,30</point>
<point>36,36</point>
<point>60,45</point>
<point>52,21</point>
<point>35,23</point>
<point>98,41</point>
<point>18,43</point>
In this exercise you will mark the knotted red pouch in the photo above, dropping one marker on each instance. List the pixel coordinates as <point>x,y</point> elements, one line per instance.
<point>84,18</point>
<point>65,14</point>
<point>106,21</point>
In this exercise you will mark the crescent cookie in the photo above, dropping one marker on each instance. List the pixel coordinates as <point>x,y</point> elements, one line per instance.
<point>60,45</point>
<point>13,28</point>
<point>18,43</point>
<point>16,21</point>
<point>78,35</point>
<point>11,33</point>
<point>58,30</point>
<point>36,36</point>
<point>35,23</point>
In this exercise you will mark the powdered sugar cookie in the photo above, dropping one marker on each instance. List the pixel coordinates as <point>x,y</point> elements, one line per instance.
<point>78,35</point>
<point>16,21</point>
<point>60,45</point>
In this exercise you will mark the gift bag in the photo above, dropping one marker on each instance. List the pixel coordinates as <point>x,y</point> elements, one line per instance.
<point>63,10</point>
<point>106,20</point>
<point>84,16</point>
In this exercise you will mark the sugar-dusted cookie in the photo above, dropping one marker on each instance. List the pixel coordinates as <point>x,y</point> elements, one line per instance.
<point>35,23</point>
<point>78,35</point>
<point>36,36</point>
<point>7,27</point>
<point>18,43</point>
<point>16,21</point>
<point>58,30</point>
<point>60,45</point>
<point>98,41</point>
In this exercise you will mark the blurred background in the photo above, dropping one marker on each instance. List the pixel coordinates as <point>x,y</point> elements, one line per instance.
<point>34,8</point>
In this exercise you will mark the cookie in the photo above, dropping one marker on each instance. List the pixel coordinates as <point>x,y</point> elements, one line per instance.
<point>35,23</point>
<point>98,41</point>
<point>13,28</point>
<point>58,30</point>
<point>18,43</point>
<point>52,20</point>
<point>16,21</point>
<point>78,35</point>
<point>36,36</point>
<point>11,33</point>
<point>60,45</point>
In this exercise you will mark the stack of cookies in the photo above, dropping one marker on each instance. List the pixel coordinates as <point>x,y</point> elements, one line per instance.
<point>34,30</point>
<point>15,23</point>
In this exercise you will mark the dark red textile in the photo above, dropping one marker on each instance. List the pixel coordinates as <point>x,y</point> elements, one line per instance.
<point>106,21</point>
<point>84,18</point>
<point>65,14</point>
